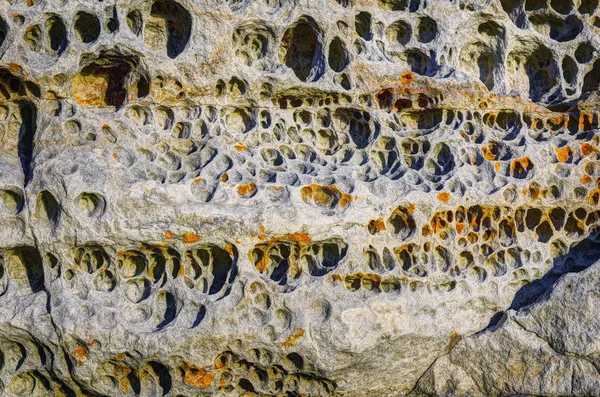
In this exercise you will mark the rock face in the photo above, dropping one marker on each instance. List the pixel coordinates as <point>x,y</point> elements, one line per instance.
<point>299,197</point>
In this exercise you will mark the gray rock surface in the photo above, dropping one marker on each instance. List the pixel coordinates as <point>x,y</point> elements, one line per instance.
<point>296,197</point>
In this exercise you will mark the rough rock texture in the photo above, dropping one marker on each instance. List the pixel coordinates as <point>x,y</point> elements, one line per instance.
<point>299,197</point>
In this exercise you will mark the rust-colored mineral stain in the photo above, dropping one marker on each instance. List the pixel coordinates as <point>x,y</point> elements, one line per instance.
<point>80,355</point>
<point>246,189</point>
<point>90,90</point>
<point>293,339</point>
<point>197,377</point>
<point>586,148</point>
<point>325,196</point>
<point>444,197</point>
<point>168,235</point>
<point>240,147</point>
<point>377,225</point>
<point>563,154</point>
<point>407,77</point>
<point>14,68</point>
<point>585,179</point>
<point>190,237</point>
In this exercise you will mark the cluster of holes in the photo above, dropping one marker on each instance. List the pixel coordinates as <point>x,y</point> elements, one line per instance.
<point>486,239</point>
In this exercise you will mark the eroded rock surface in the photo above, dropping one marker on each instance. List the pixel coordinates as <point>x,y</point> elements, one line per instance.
<point>294,197</point>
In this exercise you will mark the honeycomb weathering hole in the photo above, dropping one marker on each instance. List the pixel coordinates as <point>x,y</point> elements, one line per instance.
<point>168,28</point>
<point>300,49</point>
<point>87,27</point>
<point>104,82</point>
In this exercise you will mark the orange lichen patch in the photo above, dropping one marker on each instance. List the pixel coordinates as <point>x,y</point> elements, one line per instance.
<point>585,179</point>
<point>520,167</point>
<point>91,343</point>
<point>240,147</point>
<point>425,231</point>
<point>190,237</point>
<point>295,242</point>
<point>324,196</point>
<point>564,154</point>
<point>556,122</point>
<point>444,197</point>
<point>168,235</point>
<point>376,225</point>
<point>497,166</point>
<point>90,89</point>
<point>197,180</point>
<point>80,355</point>
<point>384,98</point>
<point>345,200</point>
<point>407,77</point>
<point>586,148</point>
<point>490,152</point>
<point>441,220</point>
<point>247,190</point>
<point>224,177</point>
<point>30,3</point>
<point>115,155</point>
<point>293,339</point>
<point>197,377</point>
<point>262,228</point>
<point>14,68</point>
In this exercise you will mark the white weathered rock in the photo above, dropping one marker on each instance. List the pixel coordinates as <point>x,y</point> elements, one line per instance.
<point>295,197</point>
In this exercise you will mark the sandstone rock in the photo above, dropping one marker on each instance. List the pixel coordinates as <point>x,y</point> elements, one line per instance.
<point>294,197</point>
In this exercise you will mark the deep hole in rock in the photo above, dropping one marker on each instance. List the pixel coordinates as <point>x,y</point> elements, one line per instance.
<point>57,34</point>
<point>561,6</point>
<point>591,81</point>
<point>584,52</point>
<point>337,55</point>
<point>112,23</point>
<point>299,50</point>
<point>169,27</point>
<point>103,82</point>
<point>26,135</point>
<point>87,27</point>
<point>588,6</point>
<point>556,28</point>
<point>170,309</point>
<point>26,262</point>
<point>427,29</point>
<point>398,32</point>
<point>516,12</point>
<point>47,208</point>
<point>221,267</point>
<point>3,31</point>
<point>164,377</point>
<point>134,22</point>
<point>143,87</point>
<point>417,61</point>
<point>531,5</point>
<point>363,25</point>
<point>569,68</point>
